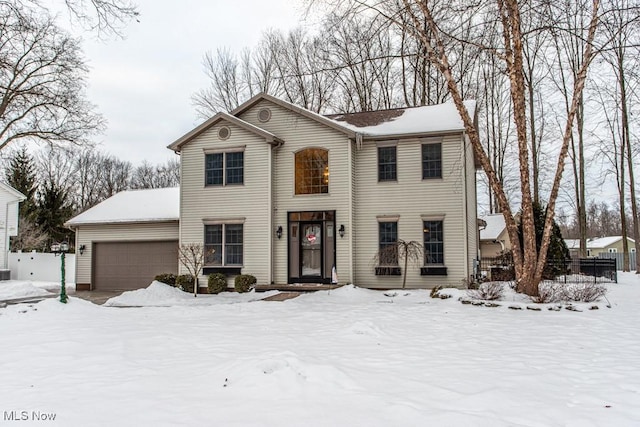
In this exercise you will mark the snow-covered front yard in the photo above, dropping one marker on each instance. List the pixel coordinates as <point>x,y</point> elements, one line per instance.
<point>349,357</point>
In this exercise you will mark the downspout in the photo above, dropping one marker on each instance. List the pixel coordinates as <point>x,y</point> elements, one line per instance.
<point>6,236</point>
<point>465,208</point>
<point>270,213</point>
<point>351,234</point>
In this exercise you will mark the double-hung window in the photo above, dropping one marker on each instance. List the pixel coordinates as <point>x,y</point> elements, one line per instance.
<point>387,164</point>
<point>431,160</point>
<point>224,168</point>
<point>223,244</point>
<point>387,238</point>
<point>433,242</point>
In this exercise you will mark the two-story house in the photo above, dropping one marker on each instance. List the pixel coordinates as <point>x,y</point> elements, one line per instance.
<point>291,196</point>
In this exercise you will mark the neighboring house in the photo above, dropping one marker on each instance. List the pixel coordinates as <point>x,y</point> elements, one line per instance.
<point>123,242</point>
<point>596,246</point>
<point>290,196</point>
<point>10,199</point>
<point>494,237</point>
<point>610,244</point>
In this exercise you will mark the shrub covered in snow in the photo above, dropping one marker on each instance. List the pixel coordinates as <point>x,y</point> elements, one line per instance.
<point>216,283</point>
<point>185,282</point>
<point>166,278</point>
<point>488,291</point>
<point>244,282</point>
<point>583,292</point>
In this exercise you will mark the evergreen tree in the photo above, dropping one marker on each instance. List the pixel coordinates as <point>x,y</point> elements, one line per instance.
<point>558,251</point>
<point>21,175</point>
<point>54,207</point>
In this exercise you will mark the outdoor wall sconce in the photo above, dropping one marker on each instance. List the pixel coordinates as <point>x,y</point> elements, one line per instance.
<point>341,230</point>
<point>279,232</point>
<point>81,249</point>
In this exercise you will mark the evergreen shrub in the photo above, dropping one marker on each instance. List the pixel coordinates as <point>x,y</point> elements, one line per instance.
<point>216,283</point>
<point>244,282</point>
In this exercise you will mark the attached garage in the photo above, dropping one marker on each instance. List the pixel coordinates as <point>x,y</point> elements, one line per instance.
<point>126,240</point>
<point>131,265</point>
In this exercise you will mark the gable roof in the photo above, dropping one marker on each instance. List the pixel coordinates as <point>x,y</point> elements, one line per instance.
<point>430,119</point>
<point>600,242</point>
<point>15,193</point>
<point>603,242</point>
<point>154,205</point>
<point>495,227</point>
<point>302,111</point>
<point>382,124</point>
<point>268,136</point>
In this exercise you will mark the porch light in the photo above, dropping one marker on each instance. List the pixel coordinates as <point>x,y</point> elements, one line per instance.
<point>279,232</point>
<point>61,248</point>
<point>81,249</point>
<point>341,230</point>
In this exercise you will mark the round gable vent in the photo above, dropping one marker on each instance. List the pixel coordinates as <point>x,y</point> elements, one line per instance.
<point>224,132</point>
<point>264,115</point>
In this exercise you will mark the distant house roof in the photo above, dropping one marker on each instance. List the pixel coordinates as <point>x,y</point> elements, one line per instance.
<point>431,119</point>
<point>600,242</point>
<point>572,243</point>
<point>495,227</point>
<point>155,205</point>
<point>15,193</point>
<point>603,242</point>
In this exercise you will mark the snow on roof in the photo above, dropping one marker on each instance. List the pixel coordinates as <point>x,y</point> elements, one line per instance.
<point>156,205</point>
<point>572,243</point>
<point>603,242</point>
<point>495,226</point>
<point>427,119</point>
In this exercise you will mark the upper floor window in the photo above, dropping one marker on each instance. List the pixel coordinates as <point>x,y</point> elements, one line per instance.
<point>433,242</point>
<point>387,165</point>
<point>431,161</point>
<point>312,171</point>
<point>224,168</point>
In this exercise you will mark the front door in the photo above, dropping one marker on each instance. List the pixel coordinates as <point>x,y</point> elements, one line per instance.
<point>312,246</point>
<point>311,250</point>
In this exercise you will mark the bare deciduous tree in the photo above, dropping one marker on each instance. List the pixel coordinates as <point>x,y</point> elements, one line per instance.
<point>42,82</point>
<point>192,256</point>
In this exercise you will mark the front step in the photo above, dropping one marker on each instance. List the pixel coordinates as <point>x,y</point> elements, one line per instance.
<point>297,287</point>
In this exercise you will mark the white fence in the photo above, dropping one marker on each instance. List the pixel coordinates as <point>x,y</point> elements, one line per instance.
<point>41,267</point>
<point>619,257</point>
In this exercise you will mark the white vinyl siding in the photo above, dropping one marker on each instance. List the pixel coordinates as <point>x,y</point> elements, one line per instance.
<point>411,199</point>
<point>87,234</point>
<point>9,207</point>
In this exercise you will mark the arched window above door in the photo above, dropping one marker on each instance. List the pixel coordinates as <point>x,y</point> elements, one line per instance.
<point>312,171</point>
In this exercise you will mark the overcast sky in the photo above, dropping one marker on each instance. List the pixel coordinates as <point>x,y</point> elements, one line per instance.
<point>144,83</point>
